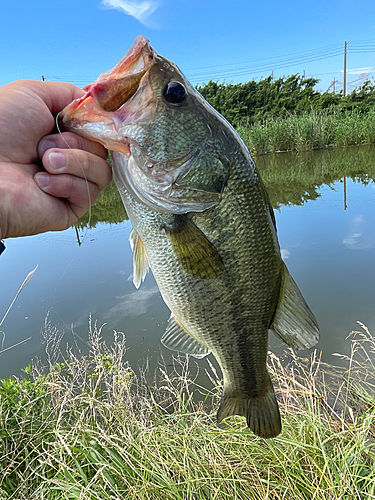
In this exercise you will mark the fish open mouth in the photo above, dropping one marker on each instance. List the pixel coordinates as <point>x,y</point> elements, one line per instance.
<point>119,109</point>
<point>100,113</point>
<point>113,88</point>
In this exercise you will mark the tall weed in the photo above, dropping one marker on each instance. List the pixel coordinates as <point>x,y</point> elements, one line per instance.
<point>308,131</point>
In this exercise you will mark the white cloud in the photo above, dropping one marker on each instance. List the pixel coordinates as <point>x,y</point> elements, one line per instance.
<point>139,10</point>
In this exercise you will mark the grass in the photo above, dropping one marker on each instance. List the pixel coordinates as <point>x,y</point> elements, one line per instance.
<point>90,428</point>
<point>308,131</point>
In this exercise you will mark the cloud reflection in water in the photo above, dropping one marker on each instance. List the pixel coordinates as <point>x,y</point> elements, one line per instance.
<point>360,237</point>
<point>132,304</point>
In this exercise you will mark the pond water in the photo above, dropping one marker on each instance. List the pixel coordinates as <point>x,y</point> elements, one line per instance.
<point>325,211</point>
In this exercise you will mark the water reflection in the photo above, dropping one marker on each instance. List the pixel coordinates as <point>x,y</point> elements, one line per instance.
<point>132,304</point>
<point>330,252</point>
<point>291,179</point>
<point>107,208</point>
<point>361,236</point>
<point>296,179</point>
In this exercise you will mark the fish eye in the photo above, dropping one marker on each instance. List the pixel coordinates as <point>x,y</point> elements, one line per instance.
<point>174,93</point>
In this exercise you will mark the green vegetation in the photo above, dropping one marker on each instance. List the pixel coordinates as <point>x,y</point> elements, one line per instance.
<point>256,101</point>
<point>309,130</point>
<point>92,429</point>
<point>288,114</point>
<point>259,101</point>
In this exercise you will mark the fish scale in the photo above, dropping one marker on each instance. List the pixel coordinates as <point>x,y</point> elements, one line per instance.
<point>238,332</point>
<point>202,221</point>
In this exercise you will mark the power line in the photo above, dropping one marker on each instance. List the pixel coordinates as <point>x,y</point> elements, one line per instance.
<point>274,63</point>
<point>291,55</point>
<point>264,67</point>
<point>256,66</point>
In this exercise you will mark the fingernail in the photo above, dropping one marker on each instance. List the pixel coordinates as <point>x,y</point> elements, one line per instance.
<point>44,145</point>
<point>42,179</point>
<point>57,160</point>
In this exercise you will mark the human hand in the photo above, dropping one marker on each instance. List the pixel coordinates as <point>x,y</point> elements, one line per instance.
<point>44,185</point>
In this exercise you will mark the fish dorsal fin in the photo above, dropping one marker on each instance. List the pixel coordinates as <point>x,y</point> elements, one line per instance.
<point>140,259</point>
<point>196,254</point>
<point>177,338</point>
<point>294,323</point>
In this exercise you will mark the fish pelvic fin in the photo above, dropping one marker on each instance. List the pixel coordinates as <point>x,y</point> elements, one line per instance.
<point>177,338</point>
<point>294,323</point>
<point>140,259</point>
<point>261,412</point>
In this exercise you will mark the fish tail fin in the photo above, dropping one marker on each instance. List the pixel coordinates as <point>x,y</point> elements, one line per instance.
<point>261,412</point>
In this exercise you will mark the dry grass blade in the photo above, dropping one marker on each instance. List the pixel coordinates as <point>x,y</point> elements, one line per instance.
<point>91,428</point>
<point>26,280</point>
<point>14,345</point>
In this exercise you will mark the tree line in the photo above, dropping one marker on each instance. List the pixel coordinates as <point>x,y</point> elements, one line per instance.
<point>269,98</point>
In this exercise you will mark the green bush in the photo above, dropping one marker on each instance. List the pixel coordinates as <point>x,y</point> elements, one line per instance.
<point>267,99</point>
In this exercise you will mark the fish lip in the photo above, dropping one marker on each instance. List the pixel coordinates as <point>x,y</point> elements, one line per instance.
<point>116,86</point>
<point>111,90</point>
<point>134,61</point>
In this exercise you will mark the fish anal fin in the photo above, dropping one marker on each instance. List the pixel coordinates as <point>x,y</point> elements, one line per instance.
<point>261,412</point>
<point>140,259</point>
<point>196,254</point>
<point>294,323</point>
<point>177,338</point>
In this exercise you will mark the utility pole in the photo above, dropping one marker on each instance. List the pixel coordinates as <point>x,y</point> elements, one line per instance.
<point>346,44</point>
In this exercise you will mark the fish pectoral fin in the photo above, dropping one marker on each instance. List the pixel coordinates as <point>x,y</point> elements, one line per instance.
<point>261,412</point>
<point>294,323</point>
<point>177,338</point>
<point>140,259</point>
<point>196,254</point>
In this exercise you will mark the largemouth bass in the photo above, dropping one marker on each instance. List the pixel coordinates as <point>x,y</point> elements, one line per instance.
<point>202,221</point>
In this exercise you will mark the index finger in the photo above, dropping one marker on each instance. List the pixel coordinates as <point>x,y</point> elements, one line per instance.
<point>56,95</point>
<point>71,141</point>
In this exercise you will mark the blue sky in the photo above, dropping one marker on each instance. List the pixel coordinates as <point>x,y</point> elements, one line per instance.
<point>228,41</point>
